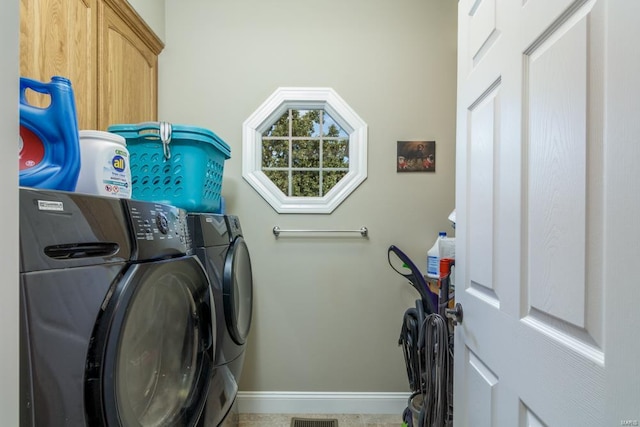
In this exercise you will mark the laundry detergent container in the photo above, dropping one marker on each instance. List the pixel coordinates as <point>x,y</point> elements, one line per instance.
<point>105,169</point>
<point>175,164</point>
<point>49,148</point>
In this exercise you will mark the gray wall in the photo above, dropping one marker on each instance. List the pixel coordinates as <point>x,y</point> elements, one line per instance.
<point>152,11</point>
<point>327,311</point>
<point>9,73</point>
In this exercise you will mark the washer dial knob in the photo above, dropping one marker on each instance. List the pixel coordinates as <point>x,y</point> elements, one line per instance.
<point>162,223</point>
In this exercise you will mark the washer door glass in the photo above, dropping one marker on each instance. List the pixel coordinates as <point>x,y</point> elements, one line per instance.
<point>238,290</point>
<point>161,360</point>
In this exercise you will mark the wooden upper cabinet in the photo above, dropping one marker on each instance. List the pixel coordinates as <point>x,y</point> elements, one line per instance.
<point>129,76</point>
<point>59,38</point>
<point>103,46</point>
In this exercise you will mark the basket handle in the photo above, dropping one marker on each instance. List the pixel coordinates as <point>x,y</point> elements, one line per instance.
<point>157,130</point>
<point>165,136</point>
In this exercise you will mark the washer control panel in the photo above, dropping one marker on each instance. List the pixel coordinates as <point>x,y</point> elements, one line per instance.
<point>158,230</point>
<point>233,222</point>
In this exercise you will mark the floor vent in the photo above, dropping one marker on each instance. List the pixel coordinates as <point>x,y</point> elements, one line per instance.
<point>312,422</point>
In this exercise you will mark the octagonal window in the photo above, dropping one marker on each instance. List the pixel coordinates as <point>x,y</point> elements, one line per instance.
<point>304,150</point>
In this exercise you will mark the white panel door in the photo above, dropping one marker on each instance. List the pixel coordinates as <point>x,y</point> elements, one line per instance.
<point>548,201</point>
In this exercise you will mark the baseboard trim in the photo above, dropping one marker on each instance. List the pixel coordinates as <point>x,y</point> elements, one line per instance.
<point>293,402</point>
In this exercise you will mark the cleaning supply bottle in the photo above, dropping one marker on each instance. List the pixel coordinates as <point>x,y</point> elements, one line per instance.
<point>447,280</point>
<point>433,257</point>
<point>49,146</point>
<point>448,247</point>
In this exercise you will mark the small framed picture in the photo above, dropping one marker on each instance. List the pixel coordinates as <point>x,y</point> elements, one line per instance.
<point>416,156</point>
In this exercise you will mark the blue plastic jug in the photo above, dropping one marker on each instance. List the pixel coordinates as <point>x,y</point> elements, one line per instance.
<point>49,145</point>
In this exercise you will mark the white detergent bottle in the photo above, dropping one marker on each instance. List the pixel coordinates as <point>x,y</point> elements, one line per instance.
<point>104,165</point>
<point>433,257</point>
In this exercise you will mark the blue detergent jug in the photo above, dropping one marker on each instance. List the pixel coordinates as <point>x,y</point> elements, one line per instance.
<point>49,144</point>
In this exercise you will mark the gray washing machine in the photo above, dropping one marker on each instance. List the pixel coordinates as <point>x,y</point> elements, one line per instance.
<point>116,315</point>
<point>220,246</point>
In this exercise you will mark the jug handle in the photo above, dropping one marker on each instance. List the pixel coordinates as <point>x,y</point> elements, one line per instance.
<point>38,86</point>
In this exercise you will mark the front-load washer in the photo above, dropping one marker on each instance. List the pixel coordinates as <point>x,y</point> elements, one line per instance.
<point>219,244</point>
<point>116,316</point>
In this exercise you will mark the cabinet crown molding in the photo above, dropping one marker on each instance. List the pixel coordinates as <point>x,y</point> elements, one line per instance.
<point>125,11</point>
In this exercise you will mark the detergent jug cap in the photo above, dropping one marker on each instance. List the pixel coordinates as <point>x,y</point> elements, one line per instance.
<point>60,79</point>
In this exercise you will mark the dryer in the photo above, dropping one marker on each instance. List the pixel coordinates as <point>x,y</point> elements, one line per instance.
<point>117,324</point>
<point>220,246</point>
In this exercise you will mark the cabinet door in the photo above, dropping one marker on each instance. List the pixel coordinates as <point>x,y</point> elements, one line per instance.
<point>128,75</point>
<point>59,37</point>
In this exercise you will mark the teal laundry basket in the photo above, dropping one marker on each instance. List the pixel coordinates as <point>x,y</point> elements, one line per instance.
<point>175,164</point>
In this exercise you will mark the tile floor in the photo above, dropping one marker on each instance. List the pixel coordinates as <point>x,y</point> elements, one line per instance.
<point>344,420</point>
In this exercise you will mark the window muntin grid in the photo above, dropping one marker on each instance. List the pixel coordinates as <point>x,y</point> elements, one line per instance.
<point>305,153</point>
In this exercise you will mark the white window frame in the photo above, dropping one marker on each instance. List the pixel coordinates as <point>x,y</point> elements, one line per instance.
<point>303,98</point>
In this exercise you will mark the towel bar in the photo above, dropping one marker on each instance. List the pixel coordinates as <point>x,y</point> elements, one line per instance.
<point>364,231</point>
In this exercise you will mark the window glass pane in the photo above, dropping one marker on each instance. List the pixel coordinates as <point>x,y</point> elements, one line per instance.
<point>316,116</point>
<point>305,154</point>
<point>275,153</point>
<point>304,122</point>
<point>335,154</point>
<point>306,184</point>
<point>331,128</point>
<point>330,179</point>
<point>280,127</point>
<point>280,179</point>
